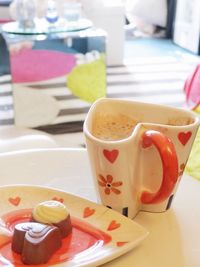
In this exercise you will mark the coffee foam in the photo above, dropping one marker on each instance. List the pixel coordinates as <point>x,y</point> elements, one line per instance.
<point>180,121</point>
<point>113,127</point>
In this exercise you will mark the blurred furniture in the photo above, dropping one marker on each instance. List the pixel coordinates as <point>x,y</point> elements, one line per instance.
<point>4,17</point>
<point>4,58</point>
<point>187,25</point>
<point>110,16</point>
<point>148,15</point>
<point>171,9</point>
<point>57,72</point>
<point>4,10</point>
<point>150,11</point>
<point>106,14</point>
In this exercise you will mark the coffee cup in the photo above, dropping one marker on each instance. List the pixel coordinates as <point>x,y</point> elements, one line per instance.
<point>138,152</point>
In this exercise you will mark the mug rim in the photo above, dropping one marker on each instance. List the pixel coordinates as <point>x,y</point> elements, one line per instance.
<point>191,114</point>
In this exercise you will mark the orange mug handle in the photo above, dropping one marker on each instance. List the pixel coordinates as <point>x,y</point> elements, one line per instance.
<point>169,159</point>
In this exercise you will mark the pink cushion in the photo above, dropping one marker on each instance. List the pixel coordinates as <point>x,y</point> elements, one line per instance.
<point>30,65</point>
<point>192,88</point>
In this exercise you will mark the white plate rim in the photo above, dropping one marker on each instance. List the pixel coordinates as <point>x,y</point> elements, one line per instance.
<point>102,216</point>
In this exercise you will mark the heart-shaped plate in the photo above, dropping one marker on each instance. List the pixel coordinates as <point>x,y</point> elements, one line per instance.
<point>99,234</point>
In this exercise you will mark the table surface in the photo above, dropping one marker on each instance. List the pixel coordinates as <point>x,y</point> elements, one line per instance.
<point>174,238</point>
<point>43,27</point>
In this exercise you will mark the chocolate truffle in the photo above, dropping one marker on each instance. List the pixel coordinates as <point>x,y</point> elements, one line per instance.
<point>53,213</point>
<point>35,242</point>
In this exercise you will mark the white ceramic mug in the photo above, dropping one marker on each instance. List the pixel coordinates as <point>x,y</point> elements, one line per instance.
<point>138,152</point>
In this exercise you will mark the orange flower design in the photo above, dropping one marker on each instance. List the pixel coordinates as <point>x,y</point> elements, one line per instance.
<point>109,185</point>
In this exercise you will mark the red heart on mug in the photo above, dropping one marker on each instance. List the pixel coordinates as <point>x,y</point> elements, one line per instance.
<point>14,201</point>
<point>111,155</point>
<point>184,137</point>
<point>113,225</point>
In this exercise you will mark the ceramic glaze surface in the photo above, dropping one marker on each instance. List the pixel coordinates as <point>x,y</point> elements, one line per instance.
<point>138,152</point>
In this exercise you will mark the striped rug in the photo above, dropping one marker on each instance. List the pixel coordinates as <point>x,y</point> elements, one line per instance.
<point>153,79</point>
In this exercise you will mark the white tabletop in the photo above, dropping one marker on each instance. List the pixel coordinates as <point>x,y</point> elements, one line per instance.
<point>174,239</point>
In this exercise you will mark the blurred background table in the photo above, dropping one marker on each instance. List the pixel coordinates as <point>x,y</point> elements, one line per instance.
<point>57,72</point>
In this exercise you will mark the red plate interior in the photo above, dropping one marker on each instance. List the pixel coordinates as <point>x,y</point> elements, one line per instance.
<point>83,237</point>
